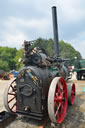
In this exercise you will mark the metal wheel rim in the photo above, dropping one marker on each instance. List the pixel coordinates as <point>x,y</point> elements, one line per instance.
<point>57,102</point>
<point>10,97</point>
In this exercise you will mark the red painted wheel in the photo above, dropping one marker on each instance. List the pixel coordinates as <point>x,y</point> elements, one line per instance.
<point>71,93</point>
<point>57,100</point>
<point>10,97</point>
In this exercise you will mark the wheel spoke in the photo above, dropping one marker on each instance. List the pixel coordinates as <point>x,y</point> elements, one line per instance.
<point>12,94</point>
<point>59,83</point>
<point>11,99</point>
<point>62,109</point>
<point>13,106</point>
<point>56,94</point>
<point>57,112</point>
<point>61,92</point>
<point>59,87</point>
<point>13,89</point>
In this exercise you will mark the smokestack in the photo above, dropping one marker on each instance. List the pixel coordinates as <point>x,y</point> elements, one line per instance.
<point>55,30</point>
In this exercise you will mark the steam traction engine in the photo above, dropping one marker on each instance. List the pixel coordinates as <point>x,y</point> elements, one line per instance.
<point>41,87</point>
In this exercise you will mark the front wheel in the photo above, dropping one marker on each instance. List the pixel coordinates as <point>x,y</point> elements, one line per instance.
<point>57,100</point>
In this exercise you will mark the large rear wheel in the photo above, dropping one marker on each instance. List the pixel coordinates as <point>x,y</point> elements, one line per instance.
<point>57,100</point>
<point>10,97</point>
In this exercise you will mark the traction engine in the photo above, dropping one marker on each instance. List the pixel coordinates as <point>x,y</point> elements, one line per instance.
<point>41,88</point>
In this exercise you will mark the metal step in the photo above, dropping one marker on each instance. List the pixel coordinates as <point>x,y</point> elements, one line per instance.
<point>36,116</point>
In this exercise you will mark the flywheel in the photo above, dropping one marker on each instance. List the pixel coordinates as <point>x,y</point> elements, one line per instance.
<point>57,100</point>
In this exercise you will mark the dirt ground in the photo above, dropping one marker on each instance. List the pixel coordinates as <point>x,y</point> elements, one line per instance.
<point>75,116</point>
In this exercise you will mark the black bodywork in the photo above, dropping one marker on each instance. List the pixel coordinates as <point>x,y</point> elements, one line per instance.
<point>32,87</point>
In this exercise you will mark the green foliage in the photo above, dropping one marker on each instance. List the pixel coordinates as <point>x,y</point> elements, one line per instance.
<point>9,56</point>
<point>66,50</point>
<point>4,65</point>
<point>48,45</point>
<point>19,55</point>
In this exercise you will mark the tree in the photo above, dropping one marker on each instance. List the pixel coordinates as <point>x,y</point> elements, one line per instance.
<point>4,65</point>
<point>66,50</point>
<point>7,56</point>
<point>19,54</point>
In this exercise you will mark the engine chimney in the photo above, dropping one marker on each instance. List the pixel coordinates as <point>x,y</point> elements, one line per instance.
<point>55,31</point>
